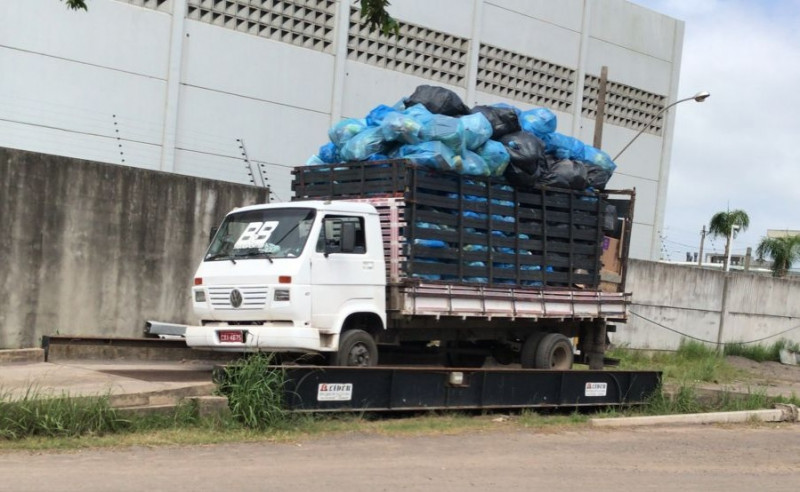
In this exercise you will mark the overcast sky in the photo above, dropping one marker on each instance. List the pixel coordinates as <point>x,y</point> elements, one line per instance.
<point>741,147</point>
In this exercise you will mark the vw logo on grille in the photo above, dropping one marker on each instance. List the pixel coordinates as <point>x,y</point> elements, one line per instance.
<point>236,298</point>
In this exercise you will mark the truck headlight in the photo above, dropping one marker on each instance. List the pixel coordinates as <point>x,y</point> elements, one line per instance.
<point>281,294</point>
<point>199,296</point>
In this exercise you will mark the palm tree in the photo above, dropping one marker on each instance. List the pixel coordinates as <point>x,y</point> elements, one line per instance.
<point>728,224</point>
<point>783,250</point>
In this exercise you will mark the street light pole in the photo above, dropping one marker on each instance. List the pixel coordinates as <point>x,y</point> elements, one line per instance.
<point>699,97</point>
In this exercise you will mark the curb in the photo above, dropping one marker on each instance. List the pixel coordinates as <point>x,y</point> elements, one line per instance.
<point>21,356</point>
<point>783,413</point>
<point>203,407</point>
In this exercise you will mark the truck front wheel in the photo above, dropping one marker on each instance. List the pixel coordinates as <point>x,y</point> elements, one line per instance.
<point>356,348</point>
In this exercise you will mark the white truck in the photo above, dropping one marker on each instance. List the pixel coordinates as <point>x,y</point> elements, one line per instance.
<point>388,254</point>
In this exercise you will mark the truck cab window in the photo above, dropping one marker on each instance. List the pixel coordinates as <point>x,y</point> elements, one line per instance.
<point>342,234</point>
<point>270,233</point>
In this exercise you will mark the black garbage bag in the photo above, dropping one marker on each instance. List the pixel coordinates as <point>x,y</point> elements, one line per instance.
<point>526,151</point>
<point>438,100</point>
<point>610,218</point>
<point>564,173</point>
<point>597,177</point>
<point>504,119</point>
<point>520,179</point>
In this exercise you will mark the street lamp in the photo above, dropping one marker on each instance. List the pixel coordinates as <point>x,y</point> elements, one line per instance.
<point>734,228</point>
<point>699,97</point>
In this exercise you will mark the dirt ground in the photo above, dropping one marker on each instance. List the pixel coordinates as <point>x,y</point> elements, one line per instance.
<point>732,458</point>
<point>773,378</point>
<point>509,456</point>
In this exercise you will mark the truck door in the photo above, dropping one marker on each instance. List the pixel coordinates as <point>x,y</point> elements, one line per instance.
<point>343,272</point>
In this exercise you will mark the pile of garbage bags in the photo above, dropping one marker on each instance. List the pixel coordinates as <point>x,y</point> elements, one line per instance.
<point>435,129</point>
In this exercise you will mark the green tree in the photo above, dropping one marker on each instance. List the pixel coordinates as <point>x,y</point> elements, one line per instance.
<point>373,13</point>
<point>728,224</point>
<point>76,4</point>
<point>783,250</point>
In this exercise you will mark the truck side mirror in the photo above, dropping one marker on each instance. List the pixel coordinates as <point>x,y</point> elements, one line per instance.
<point>212,234</point>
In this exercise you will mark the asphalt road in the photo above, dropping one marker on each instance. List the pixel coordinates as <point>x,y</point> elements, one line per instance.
<point>731,458</point>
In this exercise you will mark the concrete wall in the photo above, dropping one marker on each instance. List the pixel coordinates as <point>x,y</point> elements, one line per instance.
<point>689,300</point>
<point>154,84</point>
<point>97,249</point>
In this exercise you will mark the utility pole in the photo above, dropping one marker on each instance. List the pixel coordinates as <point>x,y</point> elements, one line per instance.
<point>601,108</point>
<point>702,240</point>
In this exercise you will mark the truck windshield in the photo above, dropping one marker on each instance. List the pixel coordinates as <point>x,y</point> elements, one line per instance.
<point>270,233</point>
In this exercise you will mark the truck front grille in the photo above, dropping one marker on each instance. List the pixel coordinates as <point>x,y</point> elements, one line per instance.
<point>253,297</point>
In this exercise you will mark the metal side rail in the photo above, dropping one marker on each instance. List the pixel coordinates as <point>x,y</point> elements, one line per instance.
<point>499,302</point>
<point>342,389</point>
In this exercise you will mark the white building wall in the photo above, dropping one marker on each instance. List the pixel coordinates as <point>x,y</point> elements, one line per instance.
<point>129,83</point>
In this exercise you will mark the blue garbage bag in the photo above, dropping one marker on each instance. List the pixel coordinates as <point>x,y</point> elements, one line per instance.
<point>328,153</point>
<point>344,130</point>
<point>477,130</point>
<point>471,164</point>
<point>401,127</point>
<point>539,121</point>
<point>417,111</point>
<point>564,147</point>
<point>445,129</point>
<point>314,160</point>
<point>431,243</point>
<point>599,158</point>
<point>495,155</point>
<point>377,115</point>
<point>378,156</point>
<point>469,214</point>
<point>363,145</point>
<point>470,198</point>
<point>433,155</point>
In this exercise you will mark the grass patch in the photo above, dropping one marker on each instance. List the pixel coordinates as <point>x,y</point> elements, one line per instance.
<point>761,353</point>
<point>254,391</point>
<point>35,414</point>
<point>692,362</point>
<point>687,399</point>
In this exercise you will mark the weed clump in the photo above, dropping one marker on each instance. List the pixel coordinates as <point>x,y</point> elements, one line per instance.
<point>761,353</point>
<point>35,414</point>
<point>254,388</point>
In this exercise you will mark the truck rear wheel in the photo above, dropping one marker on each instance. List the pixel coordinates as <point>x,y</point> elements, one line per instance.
<point>465,355</point>
<point>356,348</point>
<point>554,352</point>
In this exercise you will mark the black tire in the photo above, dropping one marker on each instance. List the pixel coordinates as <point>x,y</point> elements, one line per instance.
<point>503,354</point>
<point>455,358</point>
<point>554,352</point>
<point>527,356</point>
<point>356,348</point>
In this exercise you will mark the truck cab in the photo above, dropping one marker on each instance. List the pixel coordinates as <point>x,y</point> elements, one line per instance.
<point>293,277</point>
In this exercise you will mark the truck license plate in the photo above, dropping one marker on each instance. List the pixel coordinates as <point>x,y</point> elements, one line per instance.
<point>231,336</point>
